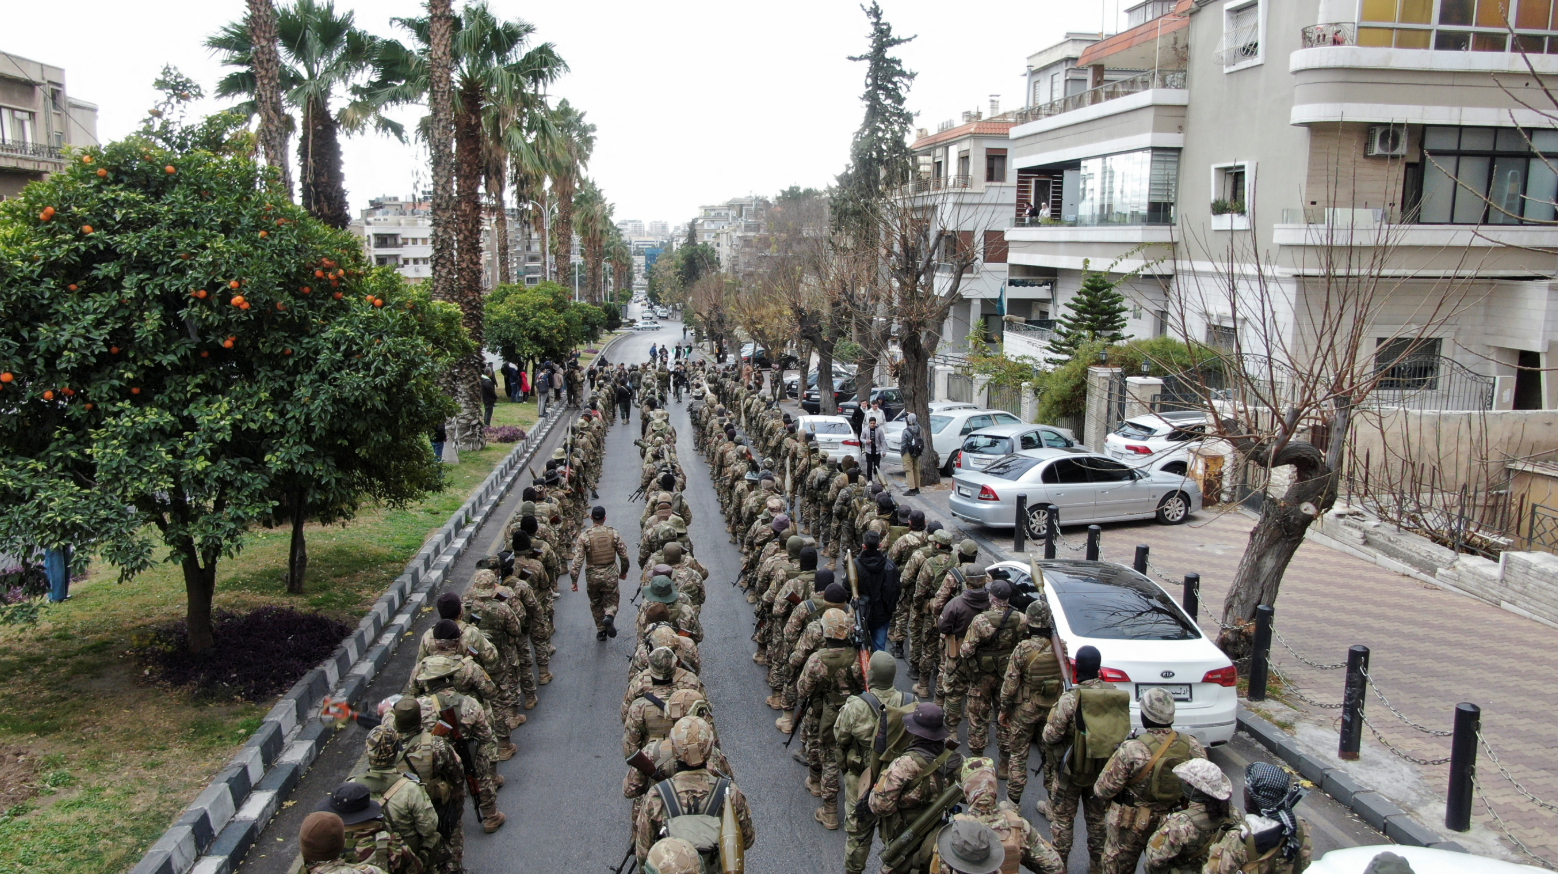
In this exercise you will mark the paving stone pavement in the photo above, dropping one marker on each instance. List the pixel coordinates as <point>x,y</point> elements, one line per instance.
<point>1430,649</point>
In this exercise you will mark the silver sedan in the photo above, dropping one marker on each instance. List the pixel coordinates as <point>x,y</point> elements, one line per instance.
<point>1087,487</point>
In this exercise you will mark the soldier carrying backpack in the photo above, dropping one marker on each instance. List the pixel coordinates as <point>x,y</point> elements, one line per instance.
<point>696,805</point>
<point>870,734</point>
<point>1139,778</point>
<point>1088,722</point>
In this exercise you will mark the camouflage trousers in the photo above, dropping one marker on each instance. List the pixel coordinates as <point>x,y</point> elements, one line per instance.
<point>513,677</point>
<point>952,688</point>
<point>822,757</point>
<point>858,830</point>
<point>979,701</point>
<point>1127,829</point>
<point>1018,739</point>
<point>1063,804</point>
<point>778,667</point>
<point>928,651</point>
<point>601,584</point>
<point>451,856</point>
<point>486,799</point>
<point>898,629</point>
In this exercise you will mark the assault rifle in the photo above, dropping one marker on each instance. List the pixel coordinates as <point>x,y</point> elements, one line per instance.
<point>859,605</point>
<point>628,863</point>
<point>448,728</point>
<point>795,720</point>
<point>643,764</point>
<point>638,494</point>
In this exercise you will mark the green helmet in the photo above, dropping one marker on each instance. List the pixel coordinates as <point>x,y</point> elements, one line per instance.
<point>942,537</point>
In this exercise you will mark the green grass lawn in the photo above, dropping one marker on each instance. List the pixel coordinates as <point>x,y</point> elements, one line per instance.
<point>114,759</point>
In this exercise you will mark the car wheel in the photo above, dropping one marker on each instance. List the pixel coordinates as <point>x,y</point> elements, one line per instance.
<point>1175,467</point>
<point>1174,508</point>
<point>946,469</point>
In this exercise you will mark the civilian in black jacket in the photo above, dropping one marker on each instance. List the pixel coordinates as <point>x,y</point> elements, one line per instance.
<point>879,586</point>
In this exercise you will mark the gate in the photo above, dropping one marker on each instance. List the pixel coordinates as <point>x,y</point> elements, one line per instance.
<point>1542,532</point>
<point>960,388</point>
<point>1004,397</point>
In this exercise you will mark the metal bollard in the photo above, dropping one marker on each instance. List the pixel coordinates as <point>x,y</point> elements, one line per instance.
<point>1094,532</point>
<point>1463,767</point>
<point>1191,600</point>
<point>1352,703</point>
<point>1260,657</point>
<point>1140,564</point>
<point>1020,530</point>
<point>1051,529</point>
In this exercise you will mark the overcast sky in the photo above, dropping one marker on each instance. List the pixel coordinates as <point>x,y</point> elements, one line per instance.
<point>694,101</point>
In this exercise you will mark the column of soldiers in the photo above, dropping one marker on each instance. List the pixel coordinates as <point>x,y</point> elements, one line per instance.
<point>687,812</point>
<point>478,670</point>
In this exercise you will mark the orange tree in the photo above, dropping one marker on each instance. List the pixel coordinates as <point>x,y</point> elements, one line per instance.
<point>180,345</point>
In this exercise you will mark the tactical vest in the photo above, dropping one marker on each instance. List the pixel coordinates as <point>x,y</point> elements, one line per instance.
<point>420,755</point>
<point>599,550</point>
<point>1157,783</point>
<point>1011,841</point>
<point>837,660</point>
<point>374,842</point>
<point>1098,727</point>
<point>1041,677</point>
<point>1192,856</point>
<point>992,655</point>
<point>657,723</point>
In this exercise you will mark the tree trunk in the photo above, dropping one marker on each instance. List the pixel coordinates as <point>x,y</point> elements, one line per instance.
<point>1275,538</point>
<point>468,257</point>
<point>865,369</point>
<point>500,229</point>
<point>319,159</point>
<point>440,141</point>
<point>914,380</point>
<point>267,89</point>
<point>297,554</point>
<point>199,590</point>
<point>830,406</point>
<point>562,224</point>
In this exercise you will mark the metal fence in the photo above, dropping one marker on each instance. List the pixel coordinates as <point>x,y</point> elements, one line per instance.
<point>960,388</point>
<point>1004,397</point>
<point>1431,382</point>
<point>1542,529</point>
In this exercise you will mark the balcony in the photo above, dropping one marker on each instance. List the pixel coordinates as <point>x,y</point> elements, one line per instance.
<point>928,184</point>
<point>1148,81</point>
<point>1160,216</point>
<point>1342,33</point>
<point>30,150</point>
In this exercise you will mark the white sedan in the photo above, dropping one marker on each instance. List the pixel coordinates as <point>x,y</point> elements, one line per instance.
<point>949,425</point>
<point>1086,486</point>
<point>833,434</point>
<point>647,325</point>
<point>1424,860</point>
<point>1143,636</point>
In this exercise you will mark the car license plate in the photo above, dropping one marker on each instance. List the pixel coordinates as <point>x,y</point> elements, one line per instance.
<point>1180,691</point>
<point>1117,453</point>
<point>964,492</point>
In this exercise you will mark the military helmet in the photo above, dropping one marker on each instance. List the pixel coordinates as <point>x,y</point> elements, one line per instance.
<point>484,579</point>
<point>942,537</point>
<point>1205,777</point>
<point>1158,705</point>
<point>662,662</point>
<point>968,548</point>
<point>687,702</point>
<point>383,746</point>
<point>673,856</point>
<point>663,635</point>
<point>1038,614</point>
<point>794,545</point>
<point>691,740</point>
<point>672,552</point>
<point>835,624</point>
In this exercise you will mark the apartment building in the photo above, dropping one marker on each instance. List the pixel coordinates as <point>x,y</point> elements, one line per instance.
<point>38,120</point>
<point>1264,148</point>
<point>729,226</point>
<point>398,232</point>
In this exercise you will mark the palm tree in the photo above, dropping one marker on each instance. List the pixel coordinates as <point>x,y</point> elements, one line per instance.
<point>621,257</point>
<point>518,121</point>
<point>274,124</point>
<point>322,52</point>
<point>593,215</point>
<point>577,144</point>
<point>531,149</point>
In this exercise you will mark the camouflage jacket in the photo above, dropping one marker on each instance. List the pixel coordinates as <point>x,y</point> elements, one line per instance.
<point>645,682</point>
<point>686,653</point>
<point>503,625</point>
<point>1057,729</point>
<point>1131,758</point>
<point>905,546</point>
<point>1182,842</point>
<point>636,783</point>
<point>407,808</point>
<point>1032,682</point>
<point>896,791</point>
<point>1232,854</point>
<point>832,674</point>
<point>472,643</point>
<point>581,550</point>
<point>469,679</point>
<point>690,788</point>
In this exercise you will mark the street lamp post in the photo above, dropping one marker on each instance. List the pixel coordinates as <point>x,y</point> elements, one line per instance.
<point>546,240</point>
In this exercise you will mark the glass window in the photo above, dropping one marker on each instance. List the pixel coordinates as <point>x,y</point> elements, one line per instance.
<point>1129,188</point>
<point>1005,419</point>
<point>1407,364</point>
<point>988,444</point>
<point>1012,467</point>
<point>1030,440</point>
<point>826,427</point>
<point>1116,604</point>
<point>1542,191</point>
<point>1452,41</point>
<point>1456,11</point>
<point>1135,430</point>
<point>1056,440</point>
<point>1507,191</point>
<point>1065,471</point>
<point>939,423</point>
<point>1534,14</point>
<point>1103,470</point>
<point>1441,138</point>
<point>1471,178</point>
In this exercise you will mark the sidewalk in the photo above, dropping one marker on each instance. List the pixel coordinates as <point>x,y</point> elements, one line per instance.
<point>1430,649</point>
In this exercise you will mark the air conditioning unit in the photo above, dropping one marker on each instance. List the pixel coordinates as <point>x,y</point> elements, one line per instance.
<point>1386,141</point>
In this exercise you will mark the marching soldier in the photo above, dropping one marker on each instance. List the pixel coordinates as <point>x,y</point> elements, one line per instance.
<point>828,678</point>
<point>1073,786</point>
<point>1030,688</point>
<point>1140,780</point>
<point>693,790</point>
<point>604,558</point>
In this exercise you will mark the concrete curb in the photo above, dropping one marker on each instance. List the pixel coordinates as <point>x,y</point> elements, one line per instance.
<point>216,831</point>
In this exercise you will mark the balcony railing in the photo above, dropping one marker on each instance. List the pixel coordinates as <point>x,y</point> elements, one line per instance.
<point>1344,33</point>
<point>927,184</point>
<point>1109,91</point>
<point>29,150</point>
<point>1042,330</point>
<point>1164,216</point>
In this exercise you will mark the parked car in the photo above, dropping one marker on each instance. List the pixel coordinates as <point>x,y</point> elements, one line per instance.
<point>1423,860</point>
<point>947,428</point>
<point>647,325</point>
<point>811,401</point>
<point>895,425</point>
<point>792,384</point>
<point>1159,441</point>
<point>1145,639</point>
<point>984,446</point>
<point>891,398</point>
<point>1088,487</point>
<point>833,434</point>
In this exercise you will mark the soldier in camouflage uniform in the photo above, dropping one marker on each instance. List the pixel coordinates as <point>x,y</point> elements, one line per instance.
<point>657,632</point>
<point>796,588</point>
<point>828,678</point>
<point>803,635</point>
<point>680,609</point>
<point>369,839</point>
<point>692,740</point>
<point>322,840</point>
<point>846,536</point>
<point>442,701</point>
<point>1272,839</point>
<point>437,766</point>
<point>677,556</point>
<point>603,557</point>
<point>899,552</point>
<point>408,810</point>
<point>663,677</point>
<point>1065,798</point>
<point>473,641</point>
<point>1181,844</point>
<point>1021,841</point>
<point>913,780</point>
<point>855,736</point>
<point>986,651</point>
<point>924,614</point>
<point>1030,688</point>
<point>504,621</point>
<point>1139,779</point>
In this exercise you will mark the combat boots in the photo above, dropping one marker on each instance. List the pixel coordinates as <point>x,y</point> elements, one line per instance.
<point>828,817</point>
<point>785,724</point>
<point>493,823</point>
<point>506,750</point>
<point>814,785</point>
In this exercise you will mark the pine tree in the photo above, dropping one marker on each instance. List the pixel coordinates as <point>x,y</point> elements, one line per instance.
<point>879,156</point>
<point>1096,312</point>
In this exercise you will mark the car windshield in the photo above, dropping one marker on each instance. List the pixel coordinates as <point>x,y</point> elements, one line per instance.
<point>1011,467</point>
<point>987,444</point>
<point>1135,430</point>
<point>1116,604</point>
<point>939,423</point>
<point>830,428</point>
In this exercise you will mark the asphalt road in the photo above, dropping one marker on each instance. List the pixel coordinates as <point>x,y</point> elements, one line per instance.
<point>563,796</point>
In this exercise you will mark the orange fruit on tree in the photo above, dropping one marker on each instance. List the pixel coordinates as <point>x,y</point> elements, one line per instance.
<point>307,290</point>
<point>264,234</point>
<point>286,351</point>
<point>200,293</point>
<point>102,172</point>
<point>169,170</point>
<point>234,284</point>
<point>88,405</point>
<point>86,159</point>
<point>228,343</point>
<point>71,286</point>
<point>68,392</point>
<point>205,354</point>
<point>135,390</point>
<point>113,350</point>
<point>378,301</point>
<point>338,295</point>
<point>280,307</point>
<point>237,300</point>
<point>48,395</point>
<point>86,229</point>
<point>244,305</point>
<point>7,376</point>
<point>47,214</point>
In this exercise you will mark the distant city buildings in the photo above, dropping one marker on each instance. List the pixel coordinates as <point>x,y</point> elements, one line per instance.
<point>38,120</point>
